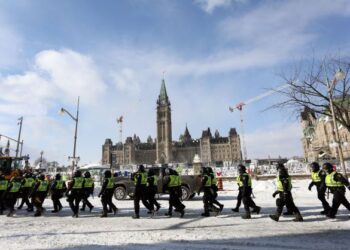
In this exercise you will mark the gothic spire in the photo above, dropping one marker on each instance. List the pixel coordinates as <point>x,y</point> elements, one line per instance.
<point>163,96</point>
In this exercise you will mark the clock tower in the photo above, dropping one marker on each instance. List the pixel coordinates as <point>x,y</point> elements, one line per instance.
<point>164,139</point>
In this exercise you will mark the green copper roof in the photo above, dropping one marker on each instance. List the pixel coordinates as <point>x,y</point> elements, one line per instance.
<point>163,95</point>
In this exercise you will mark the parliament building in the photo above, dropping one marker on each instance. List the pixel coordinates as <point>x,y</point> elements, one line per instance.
<point>210,148</point>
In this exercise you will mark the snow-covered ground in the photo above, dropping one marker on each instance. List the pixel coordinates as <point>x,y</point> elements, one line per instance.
<point>226,231</point>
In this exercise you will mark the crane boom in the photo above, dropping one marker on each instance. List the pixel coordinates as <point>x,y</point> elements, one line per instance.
<point>239,106</point>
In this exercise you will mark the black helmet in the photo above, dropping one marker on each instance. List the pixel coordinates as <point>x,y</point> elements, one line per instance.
<point>77,173</point>
<point>328,167</point>
<point>58,177</point>
<point>41,177</point>
<point>283,172</point>
<point>141,168</point>
<point>241,169</point>
<point>315,166</point>
<point>87,174</point>
<point>150,172</point>
<point>108,174</point>
<point>210,170</point>
<point>115,174</point>
<point>280,166</point>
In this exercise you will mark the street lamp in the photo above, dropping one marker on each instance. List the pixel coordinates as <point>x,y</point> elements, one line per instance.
<point>76,119</point>
<point>338,76</point>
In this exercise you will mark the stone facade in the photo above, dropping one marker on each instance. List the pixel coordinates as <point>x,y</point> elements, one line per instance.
<point>164,150</point>
<point>318,138</point>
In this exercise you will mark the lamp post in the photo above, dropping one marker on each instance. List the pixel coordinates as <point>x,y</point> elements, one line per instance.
<point>76,119</point>
<point>338,76</point>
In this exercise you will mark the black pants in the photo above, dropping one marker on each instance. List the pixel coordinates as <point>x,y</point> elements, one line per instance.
<point>321,195</point>
<point>174,200</point>
<point>74,199</point>
<point>25,192</point>
<point>38,200</point>
<point>11,199</point>
<point>141,195</point>
<point>338,199</point>
<point>286,199</point>
<point>86,202</point>
<point>239,198</point>
<point>215,195</point>
<point>152,191</point>
<point>106,199</point>
<point>207,200</point>
<point>55,197</point>
<point>247,200</point>
<point>2,201</point>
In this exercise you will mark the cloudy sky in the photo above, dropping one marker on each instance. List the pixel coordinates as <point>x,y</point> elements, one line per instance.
<point>216,53</point>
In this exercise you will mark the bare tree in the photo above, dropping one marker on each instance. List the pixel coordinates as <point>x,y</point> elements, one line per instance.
<point>312,85</point>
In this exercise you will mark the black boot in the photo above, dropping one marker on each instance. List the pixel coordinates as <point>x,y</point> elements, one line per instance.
<point>256,210</point>
<point>168,214</point>
<point>298,218</point>
<point>205,214</point>
<point>136,216</point>
<point>104,214</point>
<point>235,209</point>
<point>182,213</point>
<point>246,216</point>
<point>274,217</point>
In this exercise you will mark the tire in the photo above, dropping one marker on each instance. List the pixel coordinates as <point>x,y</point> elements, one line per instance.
<point>185,193</point>
<point>120,193</point>
<point>191,196</point>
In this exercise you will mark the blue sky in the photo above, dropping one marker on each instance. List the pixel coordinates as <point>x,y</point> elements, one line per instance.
<point>216,53</point>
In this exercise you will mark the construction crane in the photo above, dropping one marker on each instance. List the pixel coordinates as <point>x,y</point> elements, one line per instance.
<point>239,106</point>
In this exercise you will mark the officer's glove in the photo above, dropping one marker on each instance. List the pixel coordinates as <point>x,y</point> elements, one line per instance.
<point>274,194</point>
<point>99,195</point>
<point>348,187</point>
<point>310,187</point>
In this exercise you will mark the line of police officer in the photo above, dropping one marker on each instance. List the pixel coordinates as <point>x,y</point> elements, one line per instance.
<point>34,191</point>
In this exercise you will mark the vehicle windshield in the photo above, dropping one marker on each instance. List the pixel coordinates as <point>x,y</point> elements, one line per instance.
<point>5,165</point>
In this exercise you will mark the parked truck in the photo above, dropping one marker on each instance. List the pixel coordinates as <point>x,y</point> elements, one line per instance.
<point>125,186</point>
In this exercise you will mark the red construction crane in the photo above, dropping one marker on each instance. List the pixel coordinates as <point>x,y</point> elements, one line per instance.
<point>239,106</point>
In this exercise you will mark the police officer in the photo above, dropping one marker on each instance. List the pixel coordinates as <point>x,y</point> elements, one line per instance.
<point>244,182</point>
<point>214,189</point>
<point>88,189</point>
<point>173,184</point>
<point>75,193</point>
<point>335,182</point>
<point>39,194</point>
<point>152,189</point>
<point>140,180</point>
<point>284,188</point>
<point>12,193</point>
<point>26,189</point>
<point>208,195</point>
<point>106,192</point>
<point>3,187</point>
<point>318,177</point>
<point>58,188</point>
